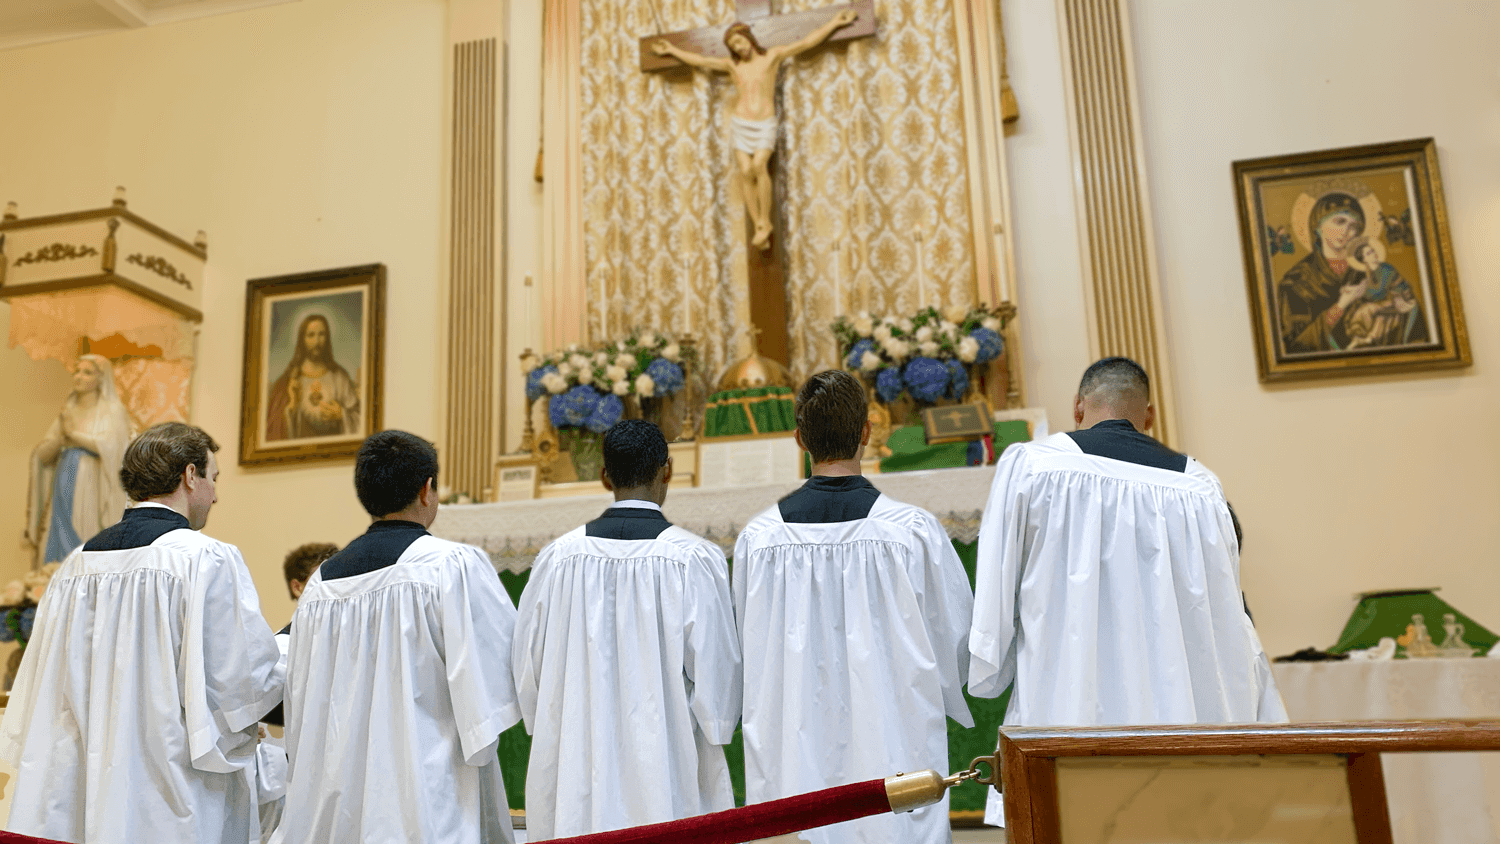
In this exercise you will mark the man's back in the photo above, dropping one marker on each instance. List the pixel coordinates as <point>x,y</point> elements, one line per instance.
<point>397,690</point>
<point>626,661</point>
<point>854,613</point>
<point>1109,591</point>
<point>133,717</point>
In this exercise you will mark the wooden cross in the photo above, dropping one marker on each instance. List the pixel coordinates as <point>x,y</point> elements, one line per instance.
<point>771,30</point>
<point>768,305</point>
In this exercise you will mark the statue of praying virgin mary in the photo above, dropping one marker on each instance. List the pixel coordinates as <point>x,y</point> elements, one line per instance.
<point>75,471</point>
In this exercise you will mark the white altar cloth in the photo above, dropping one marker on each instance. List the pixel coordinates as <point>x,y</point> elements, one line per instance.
<point>1434,798</point>
<point>513,532</point>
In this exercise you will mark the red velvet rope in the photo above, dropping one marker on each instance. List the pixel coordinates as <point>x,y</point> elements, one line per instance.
<point>17,838</point>
<point>760,820</point>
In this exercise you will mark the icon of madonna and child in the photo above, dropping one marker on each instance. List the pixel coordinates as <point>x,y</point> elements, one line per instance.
<point>1343,295</point>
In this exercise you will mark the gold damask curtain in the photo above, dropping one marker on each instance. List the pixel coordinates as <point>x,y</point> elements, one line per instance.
<point>662,248</point>
<point>873,176</point>
<point>870,172</point>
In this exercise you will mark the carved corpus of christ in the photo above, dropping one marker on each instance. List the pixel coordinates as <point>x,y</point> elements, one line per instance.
<point>754,124</point>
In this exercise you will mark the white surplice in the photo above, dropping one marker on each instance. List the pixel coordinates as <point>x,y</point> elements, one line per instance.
<point>855,646</point>
<point>398,687</point>
<point>1109,592</point>
<point>133,717</point>
<point>627,663</point>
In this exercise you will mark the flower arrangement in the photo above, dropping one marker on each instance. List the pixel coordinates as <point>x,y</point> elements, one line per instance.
<point>18,601</point>
<point>587,388</point>
<point>925,356</point>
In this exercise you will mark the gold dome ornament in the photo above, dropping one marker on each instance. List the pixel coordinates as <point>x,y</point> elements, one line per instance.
<point>755,371</point>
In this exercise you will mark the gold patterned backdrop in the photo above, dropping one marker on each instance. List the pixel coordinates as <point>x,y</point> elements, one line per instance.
<point>660,250</point>
<point>872,160</point>
<point>870,171</point>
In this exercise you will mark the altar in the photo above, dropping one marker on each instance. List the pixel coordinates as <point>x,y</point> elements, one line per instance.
<point>512,533</point>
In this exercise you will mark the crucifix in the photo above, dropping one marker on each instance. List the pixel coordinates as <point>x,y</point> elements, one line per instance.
<point>752,51</point>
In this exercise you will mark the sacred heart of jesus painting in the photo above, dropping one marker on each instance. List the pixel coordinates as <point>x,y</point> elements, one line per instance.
<point>1348,262</point>
<point>313,354</point>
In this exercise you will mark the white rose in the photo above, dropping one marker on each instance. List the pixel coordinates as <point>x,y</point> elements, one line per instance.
<point>991,323</point>
<point>573,348</point>
<point>51,568</point>
<point>645,386</point>
<point>929,349</point>
<point>565,369</point>
<point>648,339</point>
<point>905,325</point>
<point>947,325</point>
<point>13,594</point>
<point>529,363</point>
<point>579,362</point>
<point>897,350</point>
<point>625,361</point>
<point>621,387</point>
<point>882,334</point>
<point>924,334</point>
<point>601,359</point>
<point>616,373</point>
<point>36,584</point>
<point>554,383</point>
<point>863,325</point>
<point>586,375</point>
<point>672,352</point>
<point>968,349</point>
<point>869,362</point>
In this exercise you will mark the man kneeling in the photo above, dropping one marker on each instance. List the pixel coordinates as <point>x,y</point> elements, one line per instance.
<point>626,660</point>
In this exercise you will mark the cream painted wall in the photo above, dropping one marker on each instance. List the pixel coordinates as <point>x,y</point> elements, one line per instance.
<point>300,137</point>
<point>1361,484</point>
<point>1342,486</point>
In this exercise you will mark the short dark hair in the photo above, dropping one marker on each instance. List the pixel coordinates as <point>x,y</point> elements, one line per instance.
<point>832,409</point>
<point>634,451</point>
<point>304,560</point>
<point>1118,375</point>
<point>390,471</point>
<point>155,460</point>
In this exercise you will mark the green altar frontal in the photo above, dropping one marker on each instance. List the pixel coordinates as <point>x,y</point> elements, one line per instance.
<point>754,410</point>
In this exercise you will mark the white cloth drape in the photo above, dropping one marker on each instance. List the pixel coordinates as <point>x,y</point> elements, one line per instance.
<point>134,714</point>
<point>627,664</point>
<point>855,646</point>
<point>1433,797</point>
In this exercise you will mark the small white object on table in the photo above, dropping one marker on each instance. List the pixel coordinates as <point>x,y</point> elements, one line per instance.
<point>1434,798</point>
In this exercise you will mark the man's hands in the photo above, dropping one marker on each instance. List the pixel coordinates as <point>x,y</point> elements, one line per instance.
<point>661,47</point>
<point>846,17</point>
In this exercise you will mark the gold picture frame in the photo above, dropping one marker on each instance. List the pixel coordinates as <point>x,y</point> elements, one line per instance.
<point>311,391</point>
<point>1348,262</point>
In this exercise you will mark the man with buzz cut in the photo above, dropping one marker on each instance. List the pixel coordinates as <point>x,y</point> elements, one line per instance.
<point>398,674</point>
<point>627,661</point>
<point>133,717</point>
<point>1108,579</point>
<point>854,616</point>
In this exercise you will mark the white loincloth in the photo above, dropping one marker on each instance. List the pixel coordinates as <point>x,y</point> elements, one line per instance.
<point>751,136</point>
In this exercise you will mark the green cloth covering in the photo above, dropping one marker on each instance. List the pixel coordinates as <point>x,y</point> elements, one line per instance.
<point>757,410</point>
<point>1388,614</point>
<point>964,744</point>
<point>910,451</point>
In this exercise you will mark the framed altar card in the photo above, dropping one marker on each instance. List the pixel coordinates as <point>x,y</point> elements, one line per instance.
<point>313,376</point>
<point>517,478</point>
<point>1348,262</point>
